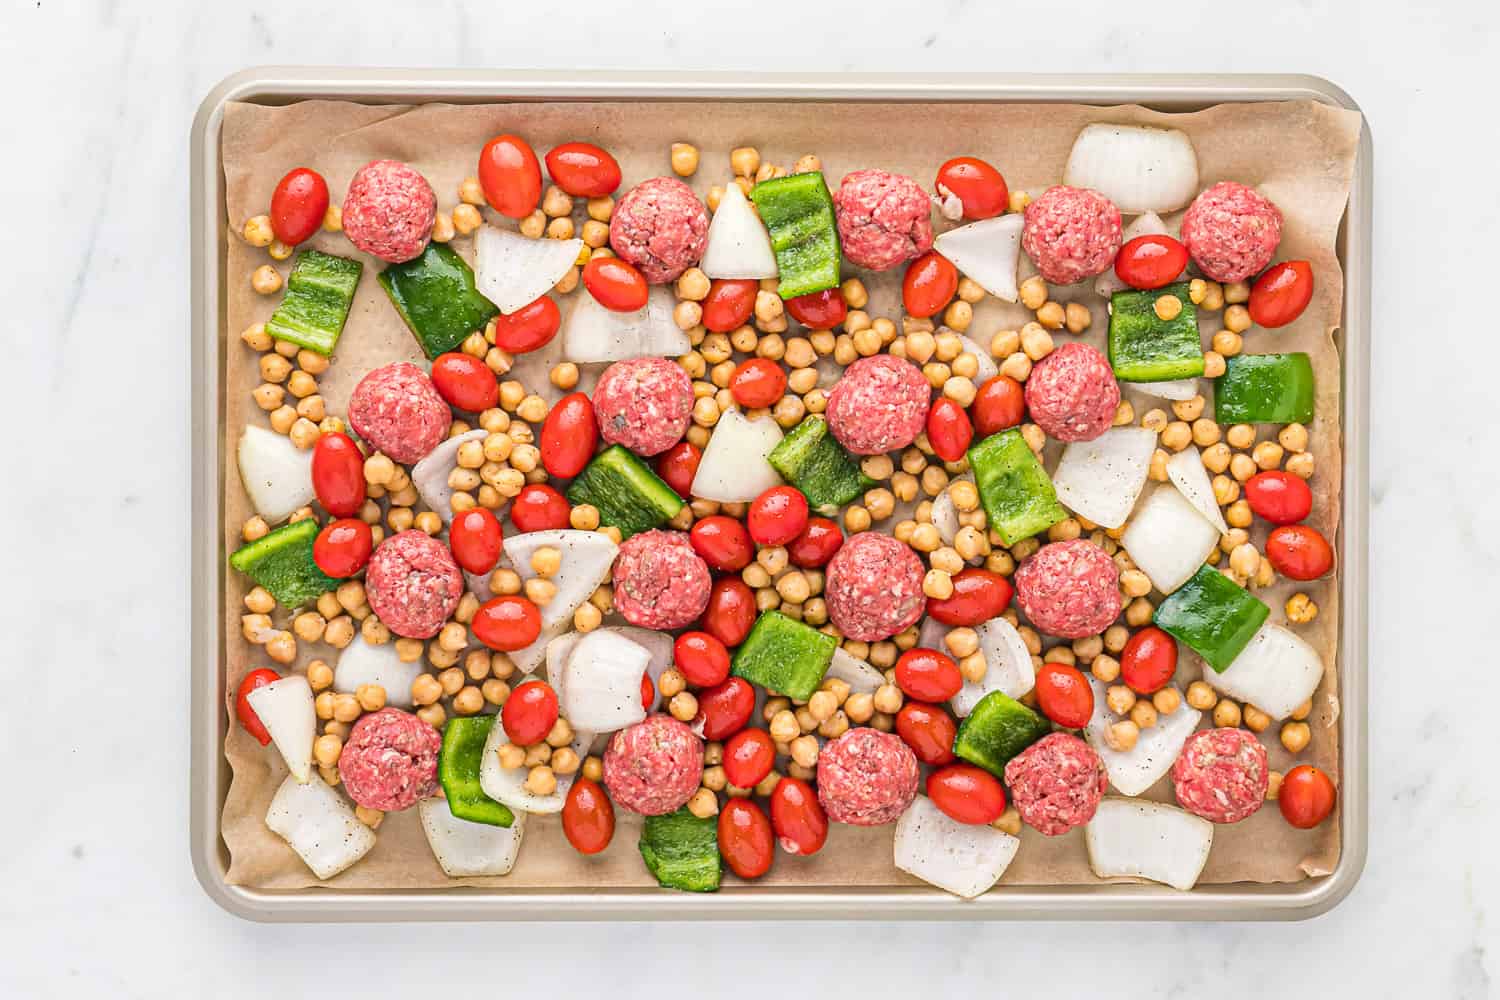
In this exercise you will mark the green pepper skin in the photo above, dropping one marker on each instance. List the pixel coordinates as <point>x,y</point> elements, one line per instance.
<point>435,295</point>
<point>996,730</point>
<point>1213,615</point>
<point>1018,496</point>
<point>784,656</point>
<point>1143,347</point>
<point>319,292</point>
<point>627,493</point>
<point>813,461</point>
<point>458,771</point>
<point>282,562</point>
<point>682,851</point>
<point>1265,389</point>
<point>798,213</point>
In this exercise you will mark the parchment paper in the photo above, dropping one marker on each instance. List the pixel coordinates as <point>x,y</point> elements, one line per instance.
<point>1300,155</point>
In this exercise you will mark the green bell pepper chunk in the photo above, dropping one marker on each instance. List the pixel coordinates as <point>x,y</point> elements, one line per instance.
<point>784,656</point>
<point>682,851</point>
<point>813,461</point>
<point>319,292</point>
<point>282,562</point>
<point>627,493</point>
<point>1018,497</point>
<point>1215,616</point>
<point>434,293</point>
<point>1265,389</point>
<point>798,213</point>
<point>1143,347</point>
<point>996,730</point>
<point>458,771</point>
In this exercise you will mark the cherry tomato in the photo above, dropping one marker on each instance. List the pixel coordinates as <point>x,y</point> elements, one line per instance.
<point>569,435</point>
<point>616,284</point>
<point>978,595</point>
<point>1151,261</point>
<point>730,612</point>
<point>748,756</point>
<point>797,818</point>
<point>1279,497</point>
<point>777,516</point>
<point>529,713</point>
<point>475,538</point>
<point>928,730</point>
<point>1280,295</point>
<point>529,328</point>
<point>723,543</point>
<point>588,819</point>
<point>701,658</point>
<point>815,544</point>
<point>539,507</point>
<point>756,383</point>
<point>343,547</point>
<point>298,205</point>
<point>745,840</point>
<point>967,794</point>
<point>648,691</point>
<point>729,304</point>
<point>725,708</point>
<point>1148,660</point>
<point>583,170</point>
<point>999,405</point>
<point>818,310</point>
<point>254,679</point>
<point>678,466</point>
<point>978,186</point>
<point>1307,796</point>
<point>927,675</point>
<point>465,382</point>
<point>929,284</point>
<point>1064,696</point>
<point>508,623</point>
<point>338,475</point>
<point>510,176</point>
<point>948,429</point>
<point>1299,552</point>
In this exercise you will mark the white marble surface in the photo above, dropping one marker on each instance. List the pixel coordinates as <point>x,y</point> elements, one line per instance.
<point>96,894</point>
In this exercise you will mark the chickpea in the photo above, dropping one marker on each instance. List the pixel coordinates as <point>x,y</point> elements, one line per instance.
<point>1166,701</point>
<point>1293,438</point>
<point>1295,736</point>
<point>541,780</point>
<point>1167,307</point>
<point>1077,317</point>
<point>1238,514</point>
<point>1120,699</point>
<point>266,280</point>
<point>744,161</point>
<point>1122,735</point>
<point>1226,714</point>
<point>1267,455</point>
<point>1143,714</point>
<point>1201,696</point>
<point>1036,342</point>
<point>1227,343</point>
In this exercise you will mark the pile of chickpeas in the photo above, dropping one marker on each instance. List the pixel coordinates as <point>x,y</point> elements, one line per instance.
<point>288,388</point>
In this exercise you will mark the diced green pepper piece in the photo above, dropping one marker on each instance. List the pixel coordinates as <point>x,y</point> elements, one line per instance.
<point>434,293</point>
<point>784,656</point>
<point>798,213</point>
<point>319,292</point>
<point>999,728</point>
<point>625,490</point>
<point>282,562</point>
<point>1143,347</point>
<point>813,461</point>
<point>1215,616</point>
<point>682,851</point>
<point>1265,389</point>
<point>1017,494</point>
<point>458,771</point>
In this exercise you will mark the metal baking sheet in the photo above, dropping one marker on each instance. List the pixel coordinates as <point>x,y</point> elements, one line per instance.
<point>210,774</point>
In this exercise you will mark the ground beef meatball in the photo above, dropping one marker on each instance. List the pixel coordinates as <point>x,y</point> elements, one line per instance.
<point>1056,783</point>
<point>661,227</point>
<point>1069,589</point>
<point>413,584</point>
<point>884,219</point>
<point>874,587</point>
<point>654,766</point>
<point>1072,393</point>
<point>397,409</point>
<point>1071,234</point>
<point>660,582</point>
<point>879,405</point>
<point>390,762</point>
<point>1221,775</point>
<point>644,404</point>
<point>388,210</point>
<point>1231,231</point>
<point>866,777</point>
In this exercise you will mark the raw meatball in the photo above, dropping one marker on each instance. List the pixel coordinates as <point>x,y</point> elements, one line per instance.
<point>874,587</point>
<point>390,762</point>
<point>879,405</point>
<point>1056,783</point>
<point>413,584</point>
<point>1069,589</point>
<point>660,582</point>
<point>397,409</point>
<point>1071,234</point>
<point>866,777</point>
<point>1221,775</point>
<point>1231,231</point>
<point>644,404</point>
<point>884,219</point>
<point>388,210</point>
<point>661,227</point>
<point>1072,393</point>
<point>654,766</point>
